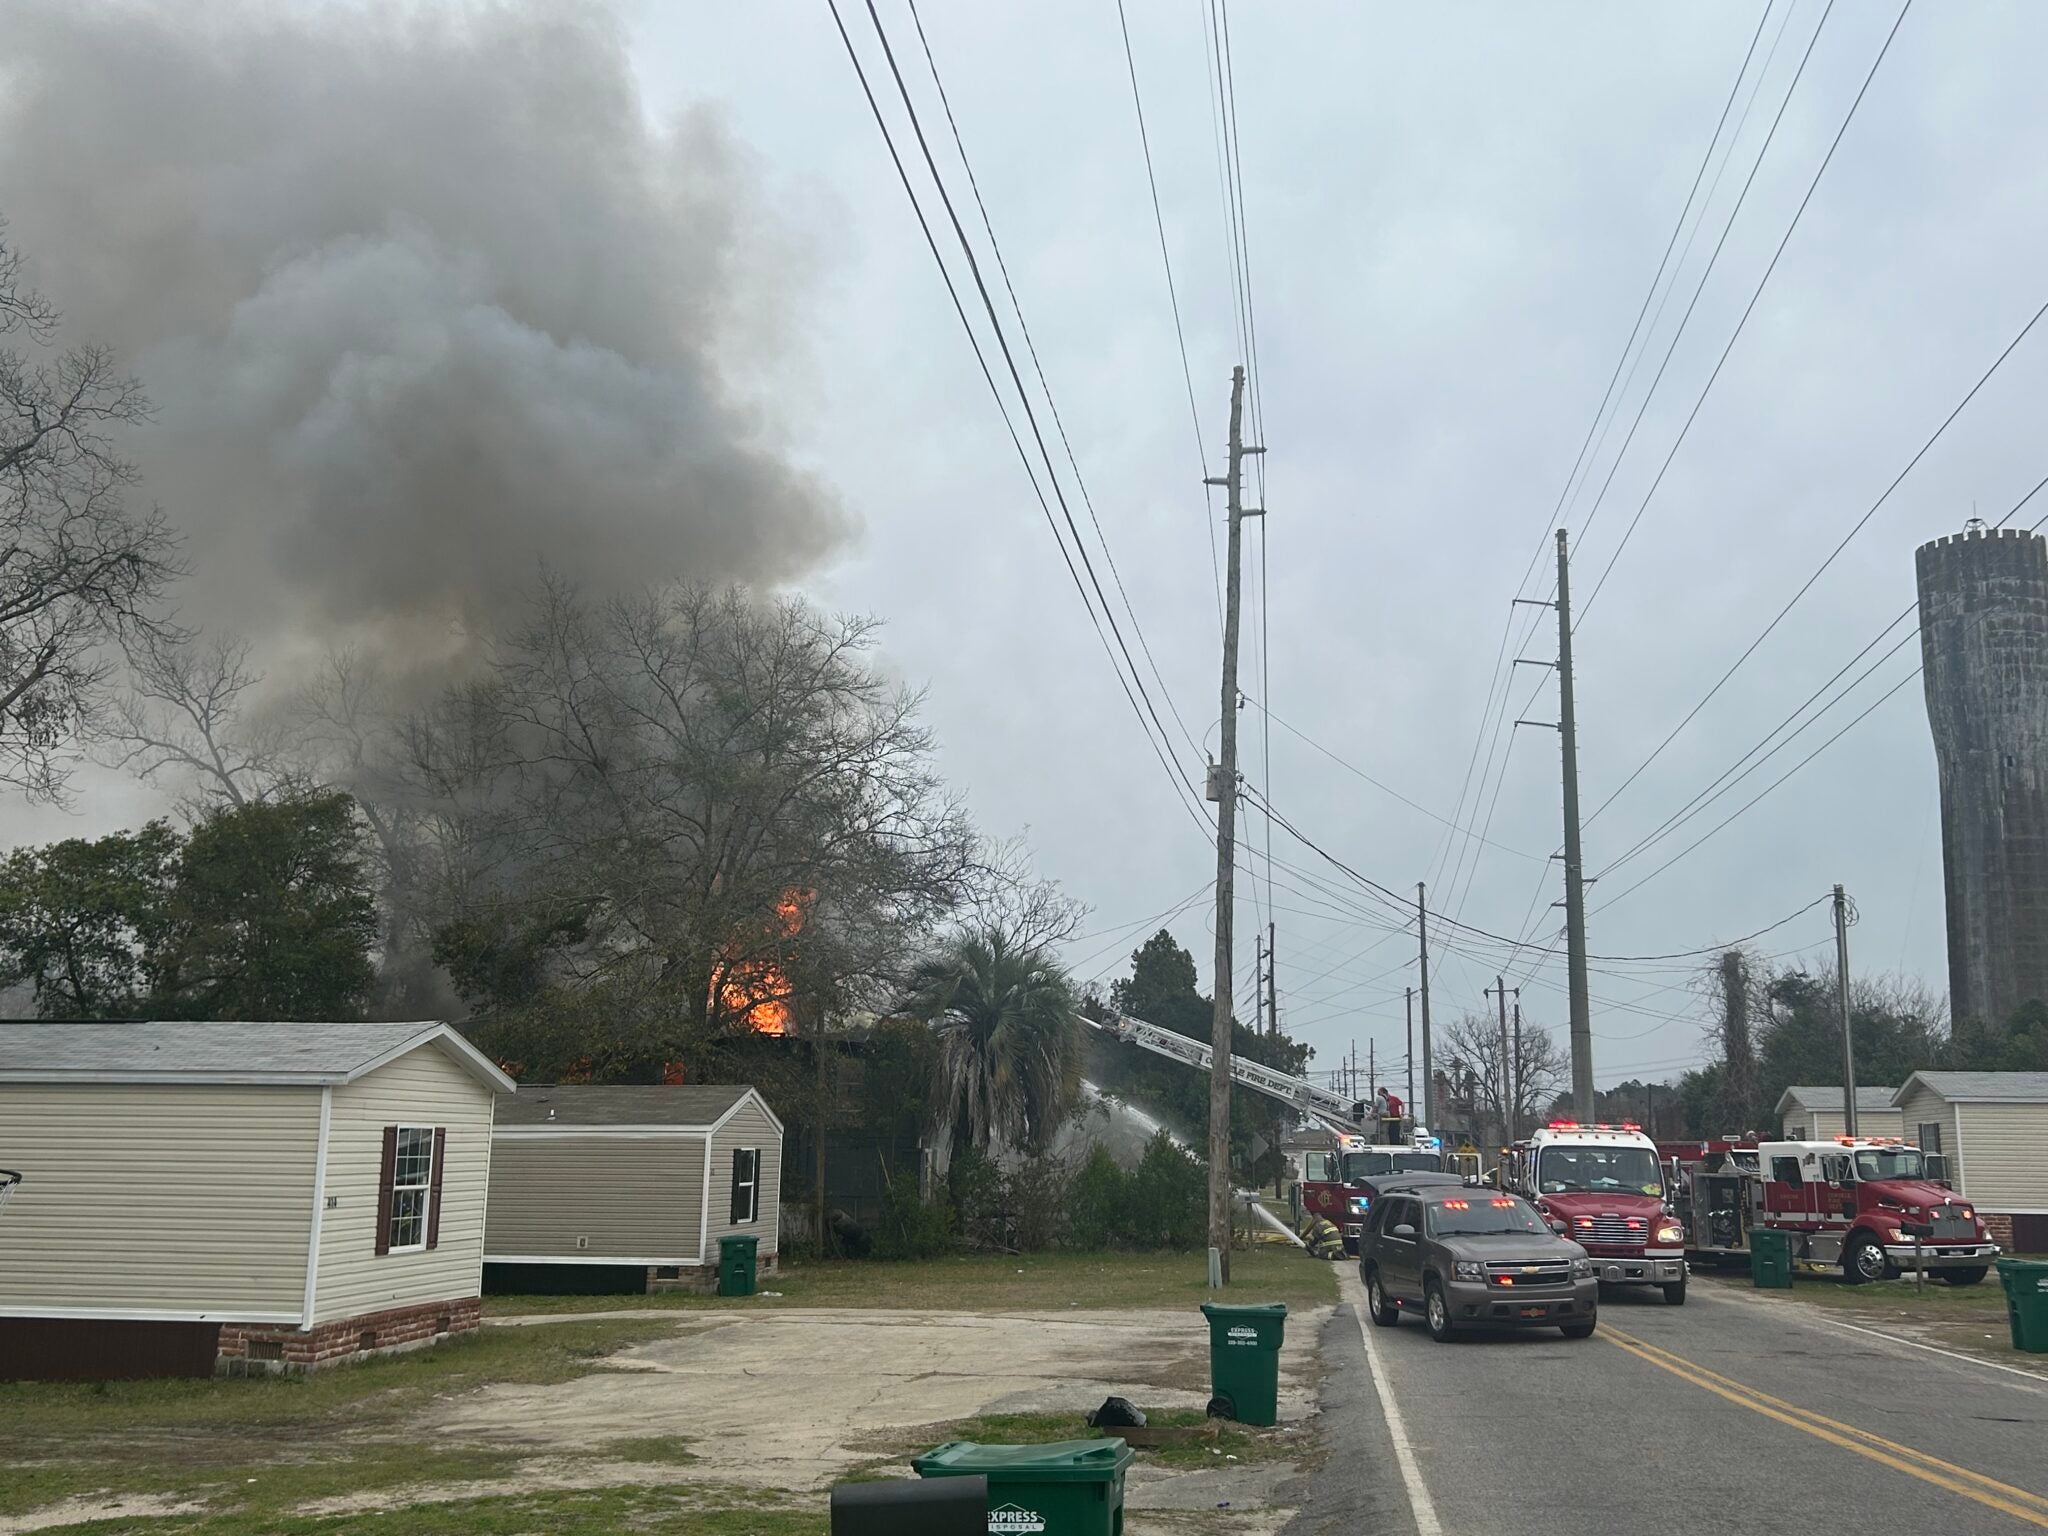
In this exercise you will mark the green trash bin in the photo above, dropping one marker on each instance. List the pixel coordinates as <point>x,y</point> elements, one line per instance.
<point>736,1265</point>
<point>1066,1488</point>
<point>1770,1259</point>
<point>1244,1360</point>
<point>2026,1303</point>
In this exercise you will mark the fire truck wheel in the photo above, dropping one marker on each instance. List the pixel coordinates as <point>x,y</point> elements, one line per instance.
<point>1384,1312</point>
<point>1674,1295</point>
<point>1438,1311</point>
<point>1864,1260</point>
<point>1577,1330</point>
<point>1969,1275</point>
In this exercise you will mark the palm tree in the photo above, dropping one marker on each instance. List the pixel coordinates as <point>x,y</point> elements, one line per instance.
<point>1009,1048</point>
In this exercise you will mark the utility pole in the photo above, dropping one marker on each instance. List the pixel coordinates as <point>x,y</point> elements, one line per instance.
<point>1515,1114</point>
<point>1259,975</point>
<point>1500,995</point>
<point>1409,992</point>
<point>1574,865</point>
<point>1222,789</point>
<point>1842,1006</point>
<point>1272,985</point>
<point>1428,1075</point>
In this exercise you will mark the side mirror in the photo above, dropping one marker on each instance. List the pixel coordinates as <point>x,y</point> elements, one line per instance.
<point>1558,1227</point>
<point>1404,1230</point>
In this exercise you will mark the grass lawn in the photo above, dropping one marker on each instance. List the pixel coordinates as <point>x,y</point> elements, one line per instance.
<point>264,1446</point>
<point>1044,1282</point>
<point>693,1511</point>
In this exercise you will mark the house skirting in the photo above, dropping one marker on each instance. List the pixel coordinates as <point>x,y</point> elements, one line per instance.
<point>258,1349</point>
<point>2017,1231</point>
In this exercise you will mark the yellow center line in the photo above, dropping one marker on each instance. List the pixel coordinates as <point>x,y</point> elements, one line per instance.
<point>1909,1462</point>
<point>1938,1463</point>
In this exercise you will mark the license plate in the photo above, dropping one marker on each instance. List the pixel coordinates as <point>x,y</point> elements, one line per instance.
<point>1535,1311</point>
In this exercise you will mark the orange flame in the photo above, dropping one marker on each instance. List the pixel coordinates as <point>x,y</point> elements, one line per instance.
<point>756,992</point>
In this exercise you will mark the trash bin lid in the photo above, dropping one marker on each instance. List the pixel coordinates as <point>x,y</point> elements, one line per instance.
<point>1060,1461</point>
<point>2022,1269</point>
<point>1262,1309</point>
<point>739,1240</point>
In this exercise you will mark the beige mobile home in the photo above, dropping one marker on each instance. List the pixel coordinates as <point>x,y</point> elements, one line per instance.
<point>1815,1114</point>
<point>1992,1127</point>
<point>237,1197</point>
<point>638,1181</point>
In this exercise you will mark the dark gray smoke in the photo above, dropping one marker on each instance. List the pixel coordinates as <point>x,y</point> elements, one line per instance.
<point>423,301</point>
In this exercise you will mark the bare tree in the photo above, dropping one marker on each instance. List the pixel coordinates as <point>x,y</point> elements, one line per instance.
<point>185,716</point>
<point>1006,895</point>
<point>1474,1059</point>
<point>80,574</point>
<point>709,810</point>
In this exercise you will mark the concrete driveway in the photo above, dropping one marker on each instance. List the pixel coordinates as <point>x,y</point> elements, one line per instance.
<point>793,1399</point>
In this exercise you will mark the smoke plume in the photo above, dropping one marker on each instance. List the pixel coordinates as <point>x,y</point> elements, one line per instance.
<point>422,298</point>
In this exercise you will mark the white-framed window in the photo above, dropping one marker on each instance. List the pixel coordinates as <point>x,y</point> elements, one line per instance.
<point>746,1185</point>
<point>412,1188</point>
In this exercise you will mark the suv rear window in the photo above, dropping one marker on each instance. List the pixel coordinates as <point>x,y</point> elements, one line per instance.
<point>1483,1215</point>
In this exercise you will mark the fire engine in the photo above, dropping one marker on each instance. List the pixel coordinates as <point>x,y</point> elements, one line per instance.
<point>1869,1204</point>
<point>1603,1187</point>
<point>1335,1185</point>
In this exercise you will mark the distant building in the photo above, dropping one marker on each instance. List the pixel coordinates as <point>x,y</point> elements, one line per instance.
<point>1991,1127</point>
<point>1815,1114</point>
<point>1984,648</point>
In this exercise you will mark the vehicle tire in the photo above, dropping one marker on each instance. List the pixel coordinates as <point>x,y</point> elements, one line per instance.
<point>1968,1276</point>
<point>1579,1330</point>
<point>1864,1260</point>
<point>1383,1310</point>
<point>1674,1295</point>
<point>1437,1310</point>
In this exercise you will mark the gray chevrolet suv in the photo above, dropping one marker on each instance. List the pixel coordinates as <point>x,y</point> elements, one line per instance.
<point>1470,1257</point>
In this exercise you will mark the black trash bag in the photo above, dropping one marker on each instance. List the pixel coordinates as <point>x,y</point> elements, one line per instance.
<point>1117,1413</point>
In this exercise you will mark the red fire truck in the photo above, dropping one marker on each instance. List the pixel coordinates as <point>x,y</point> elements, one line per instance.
<point>1603,1187</point>
<point>1341,1186</point>
<point>1869,1204</point>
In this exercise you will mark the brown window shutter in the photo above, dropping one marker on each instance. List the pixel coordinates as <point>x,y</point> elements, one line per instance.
<point>434,1188</point>
<point>384,1188</point>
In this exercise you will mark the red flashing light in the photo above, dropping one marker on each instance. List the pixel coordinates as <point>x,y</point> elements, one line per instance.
<point>1630,1125</point>
<point>1502,1205</point>
<point>1635,1221</point>
<point>1585,1221</point>
<point>1457,1205</point>
<point>1564,1125</point>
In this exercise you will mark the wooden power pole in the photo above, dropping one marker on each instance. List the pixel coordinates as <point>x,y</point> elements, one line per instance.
<point>1842,1005</point>
<point>1222,789</point>
<point>1574,863</point>
<point>1428,1066</point>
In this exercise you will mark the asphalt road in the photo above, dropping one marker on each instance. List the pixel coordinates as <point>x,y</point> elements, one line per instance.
<point>1729,1414</point>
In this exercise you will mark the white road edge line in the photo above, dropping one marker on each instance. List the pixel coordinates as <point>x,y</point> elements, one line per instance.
<point>1419,1502</point>
<point>2039,1382</point>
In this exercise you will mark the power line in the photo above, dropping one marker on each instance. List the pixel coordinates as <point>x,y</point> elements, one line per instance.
<point>1504,683</point>
<point>1750,308</point>
<point>1031,348</point>
<point>1173,298</point>
<point>1832,556</point>
<point>1184,790</point>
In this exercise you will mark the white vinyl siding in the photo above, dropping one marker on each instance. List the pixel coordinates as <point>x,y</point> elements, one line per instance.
<point>1925,1107</point>
<point>423,1088</point>
<point>750,1126</point>
<point>2007,1145</point>
<point>1826,1124</point>
<point>636,1198</point>
<point>175,1201</point>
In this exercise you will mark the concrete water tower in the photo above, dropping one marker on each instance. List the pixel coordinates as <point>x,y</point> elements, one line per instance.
<point>1984,645</point>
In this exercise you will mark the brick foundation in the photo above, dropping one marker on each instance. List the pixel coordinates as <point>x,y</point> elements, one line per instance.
<point>254,1349</point>
<point>2000,1228</point>
<point>702,1279</point>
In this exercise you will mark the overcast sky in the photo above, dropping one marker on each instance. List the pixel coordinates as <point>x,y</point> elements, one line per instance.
<point>1452,216</point>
